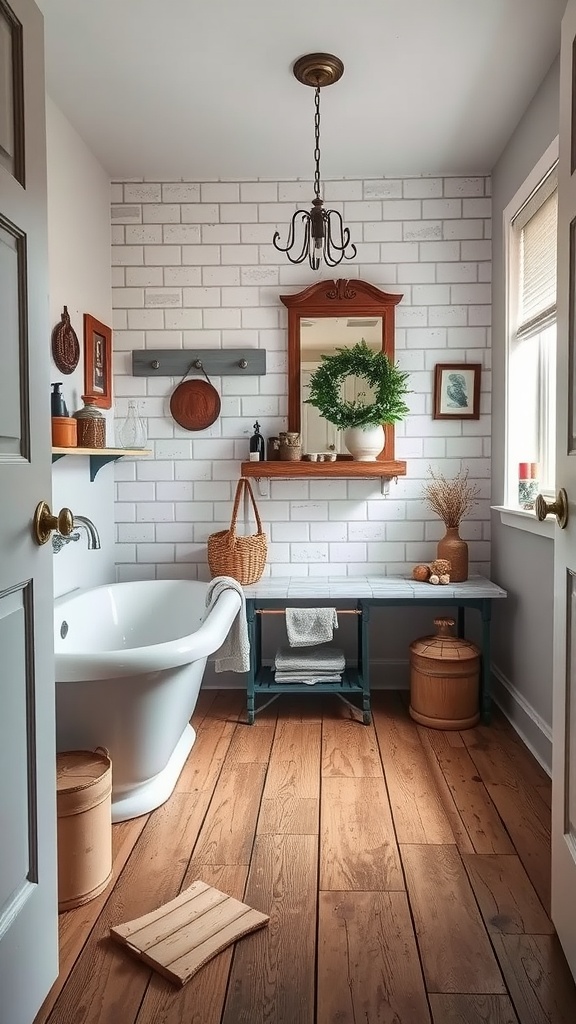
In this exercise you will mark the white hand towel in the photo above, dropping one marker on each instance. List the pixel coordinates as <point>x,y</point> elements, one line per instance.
<point>234,654</point>
<point>309,626</point>
<point>313,660</point>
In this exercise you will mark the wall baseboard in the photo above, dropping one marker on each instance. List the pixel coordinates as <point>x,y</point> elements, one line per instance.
<point>530,726</point>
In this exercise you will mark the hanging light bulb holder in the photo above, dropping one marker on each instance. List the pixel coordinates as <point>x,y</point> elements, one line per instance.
<point>322,232</point>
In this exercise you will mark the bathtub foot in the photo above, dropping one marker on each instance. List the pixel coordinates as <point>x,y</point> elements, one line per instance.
<point>151,794</point>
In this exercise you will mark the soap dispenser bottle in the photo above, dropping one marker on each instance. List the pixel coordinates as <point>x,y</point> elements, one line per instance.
<point>57,403</point>
<point>256,445</point>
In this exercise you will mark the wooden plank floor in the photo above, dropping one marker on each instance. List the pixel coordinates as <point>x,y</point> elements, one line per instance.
<point>406,873</point>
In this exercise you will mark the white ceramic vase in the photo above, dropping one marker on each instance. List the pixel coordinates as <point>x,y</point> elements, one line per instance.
<point>364,443</point>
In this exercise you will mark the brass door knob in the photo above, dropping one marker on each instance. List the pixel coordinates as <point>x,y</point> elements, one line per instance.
<point>44,522</point>
<point>558,508</point>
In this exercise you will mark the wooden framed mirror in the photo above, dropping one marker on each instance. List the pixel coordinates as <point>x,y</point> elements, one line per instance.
<point>322,317</point>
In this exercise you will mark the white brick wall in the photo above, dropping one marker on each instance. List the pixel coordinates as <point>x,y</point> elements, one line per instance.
<point>194,266</point>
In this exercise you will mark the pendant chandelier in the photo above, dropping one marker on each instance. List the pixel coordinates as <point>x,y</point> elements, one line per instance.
<point>321,232</point>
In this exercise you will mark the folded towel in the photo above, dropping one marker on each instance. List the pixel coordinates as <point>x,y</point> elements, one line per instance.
<point>309,626</point>
<point>234,654</point>
<point>307,677</point>
<point>315,659</point>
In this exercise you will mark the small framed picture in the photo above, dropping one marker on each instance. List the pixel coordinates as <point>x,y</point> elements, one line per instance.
<point>97,361</point>
<point>457,391</point>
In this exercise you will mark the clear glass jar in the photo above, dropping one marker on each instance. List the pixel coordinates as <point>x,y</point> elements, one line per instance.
<point>132,432</point>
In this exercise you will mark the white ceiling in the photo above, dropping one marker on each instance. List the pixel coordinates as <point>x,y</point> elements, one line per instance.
<point>203,89</point>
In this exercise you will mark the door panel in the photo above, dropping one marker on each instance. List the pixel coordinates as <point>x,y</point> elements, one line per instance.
<point>564,682</point>
<point>14,348</point>
<point>28,898</point>
<point>17,755</point>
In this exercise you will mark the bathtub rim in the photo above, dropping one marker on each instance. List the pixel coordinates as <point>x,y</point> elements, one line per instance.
<point>81,666</point>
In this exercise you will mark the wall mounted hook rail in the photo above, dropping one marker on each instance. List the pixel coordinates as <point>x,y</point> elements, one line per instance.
<point>217,362</point>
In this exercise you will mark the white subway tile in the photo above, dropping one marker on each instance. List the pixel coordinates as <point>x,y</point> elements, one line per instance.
<point>220,192</point>
<point>181,234</point>
<point>171,533</point>
<point>199,213</point>
<point>144,234</point>
<point>130,573</point>
<point>308,553</point>
<point>163,255</point>
<point>182,276</point>
<point>161,213</point>
<point>476,208</point>
<point>155,552</point>
<point>126,214</point>
<point>202,297</point>
<point>384,188</point>
<point>238,213</point>
<point>457,272</point>
<point>463,229</point>
<point>141,277</point>
<point>258,191</point>
<point>133,533</point>
<point>146,320</point>
<point>421,231</point>
<point>422,188</point>
<point>154,512</point>
<point>285,532</point>
<point>142,193</point>
<point>181,192</point>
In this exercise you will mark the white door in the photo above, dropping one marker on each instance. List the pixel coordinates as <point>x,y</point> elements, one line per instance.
<point>564,706</point>
<point>28,912</point>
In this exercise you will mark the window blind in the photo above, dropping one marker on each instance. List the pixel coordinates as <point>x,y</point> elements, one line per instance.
<point>537,227</point>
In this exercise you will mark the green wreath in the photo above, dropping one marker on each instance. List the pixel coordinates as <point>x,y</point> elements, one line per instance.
<point>384,376</point>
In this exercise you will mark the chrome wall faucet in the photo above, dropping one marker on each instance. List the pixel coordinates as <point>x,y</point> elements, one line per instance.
<point>59,540</point>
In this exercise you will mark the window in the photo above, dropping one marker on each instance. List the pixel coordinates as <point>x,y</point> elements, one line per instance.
<point>532,225</point>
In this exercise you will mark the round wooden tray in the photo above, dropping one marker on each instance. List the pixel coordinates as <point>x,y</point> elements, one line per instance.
<point>195,404</point>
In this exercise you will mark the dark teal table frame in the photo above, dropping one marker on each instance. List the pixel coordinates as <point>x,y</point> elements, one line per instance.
<point>356,681</point>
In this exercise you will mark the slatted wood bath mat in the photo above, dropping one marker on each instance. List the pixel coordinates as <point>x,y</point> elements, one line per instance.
<point>182,935</point>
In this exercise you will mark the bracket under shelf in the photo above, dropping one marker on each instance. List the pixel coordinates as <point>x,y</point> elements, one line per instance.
<point>98,456</point>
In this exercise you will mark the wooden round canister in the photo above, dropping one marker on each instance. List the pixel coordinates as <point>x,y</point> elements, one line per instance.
<point>84,806</point>
<point>444,679</point>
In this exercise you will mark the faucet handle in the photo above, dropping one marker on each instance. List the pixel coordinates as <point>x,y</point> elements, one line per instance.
<point>44,522</point>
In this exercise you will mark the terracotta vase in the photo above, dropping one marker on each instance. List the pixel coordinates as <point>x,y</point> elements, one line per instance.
<point>452,547</point>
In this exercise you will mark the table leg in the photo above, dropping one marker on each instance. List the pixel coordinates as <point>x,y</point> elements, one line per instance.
<point>485,696</point>
<point>254,658</point>
<point>364,660</point>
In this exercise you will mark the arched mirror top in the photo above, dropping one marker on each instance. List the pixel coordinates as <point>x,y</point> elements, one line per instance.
<point>333,314</point>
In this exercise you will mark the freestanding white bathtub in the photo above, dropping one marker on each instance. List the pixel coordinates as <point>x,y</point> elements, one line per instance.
<point>129,663</point>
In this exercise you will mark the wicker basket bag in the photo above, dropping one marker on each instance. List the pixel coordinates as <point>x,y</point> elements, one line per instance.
<point>243,558</point>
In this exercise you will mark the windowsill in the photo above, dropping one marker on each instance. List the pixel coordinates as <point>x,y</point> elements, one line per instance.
<point>520,519</point>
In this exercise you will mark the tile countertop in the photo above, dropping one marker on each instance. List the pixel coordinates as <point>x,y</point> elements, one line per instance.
<point>375,587</point>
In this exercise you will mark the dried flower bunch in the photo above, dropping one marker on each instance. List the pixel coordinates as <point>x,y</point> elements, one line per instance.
<point>452,500</point>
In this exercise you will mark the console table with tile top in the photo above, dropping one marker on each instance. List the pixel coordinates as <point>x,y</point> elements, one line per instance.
<point>358,595</point>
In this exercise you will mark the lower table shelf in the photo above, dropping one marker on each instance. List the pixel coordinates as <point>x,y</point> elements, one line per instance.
<point>352,684</point>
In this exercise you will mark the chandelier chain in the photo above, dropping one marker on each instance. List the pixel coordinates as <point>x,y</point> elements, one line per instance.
<point>317,142</point>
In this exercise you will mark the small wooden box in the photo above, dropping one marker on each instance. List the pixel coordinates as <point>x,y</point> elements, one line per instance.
<point>84,805</point>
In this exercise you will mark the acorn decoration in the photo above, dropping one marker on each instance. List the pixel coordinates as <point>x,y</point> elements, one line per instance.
<point>421,573</point>
<point>436,572</point>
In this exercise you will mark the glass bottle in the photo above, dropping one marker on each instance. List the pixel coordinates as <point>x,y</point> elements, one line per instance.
<point>256,445</point>
<point>132,432</point>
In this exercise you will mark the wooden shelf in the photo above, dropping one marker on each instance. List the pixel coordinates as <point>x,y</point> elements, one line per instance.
<point>98,456</point>
<point>329,470</point>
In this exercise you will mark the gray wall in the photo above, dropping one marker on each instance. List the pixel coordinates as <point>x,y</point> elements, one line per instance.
<point>522,562</point>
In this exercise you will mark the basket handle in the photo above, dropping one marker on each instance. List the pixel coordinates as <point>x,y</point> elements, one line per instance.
<point>242,484</point>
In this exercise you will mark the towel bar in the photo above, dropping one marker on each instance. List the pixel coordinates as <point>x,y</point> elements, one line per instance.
<point>282,611</point>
